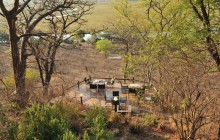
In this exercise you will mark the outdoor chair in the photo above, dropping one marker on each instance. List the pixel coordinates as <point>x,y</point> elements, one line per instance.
<point>115,93</point>
<point>93,86</point>
<point>101,86</point>
<point>132,90</point>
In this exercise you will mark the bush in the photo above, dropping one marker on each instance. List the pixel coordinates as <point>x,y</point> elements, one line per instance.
<point>114,118</point>
<point>105,46</point>
<point>68,110</point>
<point>99,130</point>
<point>31,76</point>
<point>96,120</point>
<point>12,130</point>
<point>150,119</point>
<point>93,113</point>
<point>8,128</point>
<point>86,136</point>
<point>2,120</point>
<point>70,113</point>
<point>43,122</point>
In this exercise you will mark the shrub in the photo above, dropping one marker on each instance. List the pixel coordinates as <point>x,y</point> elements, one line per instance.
<point>114,118</point>
<point>93,113</point>
<point>68,110</point>
<point>150,119</point>
<point>70,113</point>
<point>43,122</point>
<point>12,130</point>
<point>8,128</point>
<point>98,128</point>
<point>9,81</point>
<point>68,135</point>
<point>96,120</point>
<point>2,120</point>
<point>105,46</point>
<point>86,136</point>
<point>31,76</point>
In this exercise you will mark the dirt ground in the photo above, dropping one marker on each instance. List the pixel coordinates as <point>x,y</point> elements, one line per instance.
<point>74,64</point>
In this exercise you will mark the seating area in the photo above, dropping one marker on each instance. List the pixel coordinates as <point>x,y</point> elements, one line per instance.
<point>115,94</point>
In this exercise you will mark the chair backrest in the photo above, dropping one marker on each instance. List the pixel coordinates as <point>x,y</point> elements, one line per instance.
<point>101,86</point>
<point>93,86</point>
<point>115,93</point>
<point>132,90</point>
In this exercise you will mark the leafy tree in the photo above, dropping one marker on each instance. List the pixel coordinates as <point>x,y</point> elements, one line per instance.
<point>22,18</point>
<point>45,48</point>
<point>125,32</point>
<point>105,46</point>
<point>173,47</point>
<point>207,13</point>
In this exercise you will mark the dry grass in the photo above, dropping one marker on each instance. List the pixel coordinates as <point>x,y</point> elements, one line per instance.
<point>77,63</point>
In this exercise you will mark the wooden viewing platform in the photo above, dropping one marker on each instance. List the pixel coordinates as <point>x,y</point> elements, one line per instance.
<point>100,92</point>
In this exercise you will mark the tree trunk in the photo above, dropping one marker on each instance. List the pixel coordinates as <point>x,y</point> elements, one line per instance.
<point>125,68</point>
<point>193,135</point>
<point>18,62</point>
<point>126,63</point>
<point>213,51</point>
<point>45,89</point>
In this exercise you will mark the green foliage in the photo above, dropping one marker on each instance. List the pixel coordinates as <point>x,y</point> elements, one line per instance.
<point>105,46</point>
<point>68,110</point>
<point>8,129</point>
<point>68,135</point>
<point>140,94</point>
<point>71,113</point>
<point>98,128</point>
<point>93,113</point>
<point>150,119</point>
<point>43,122</point>
<point>9,81</point>
<point>31,77</point>
<point>184,103</point>
<point>86,136</point>
<point>12,130</point>
<point>96,120</point>
<point>2,120</point>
